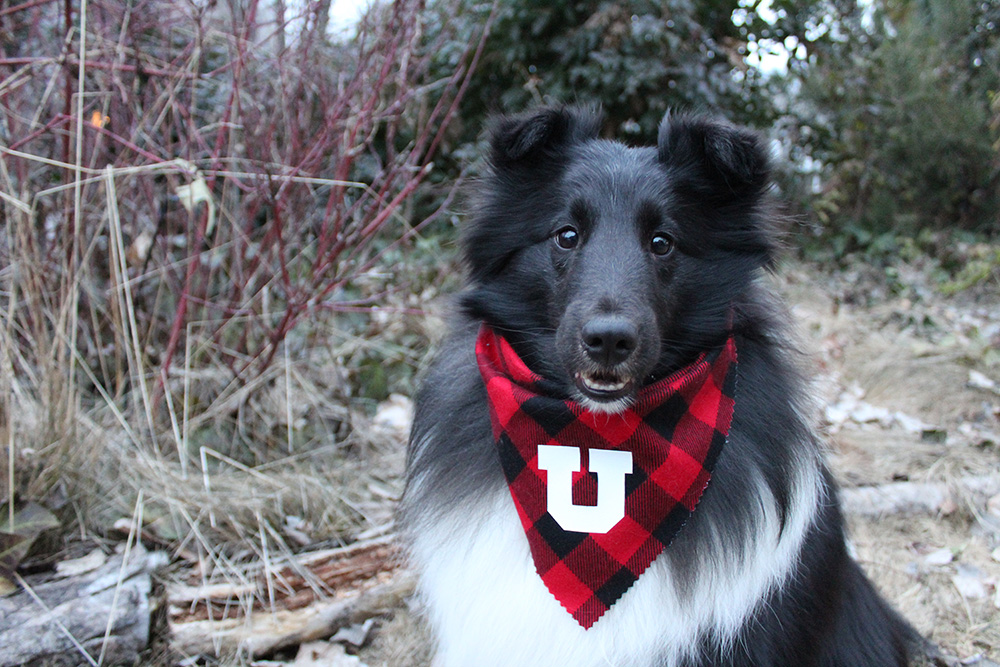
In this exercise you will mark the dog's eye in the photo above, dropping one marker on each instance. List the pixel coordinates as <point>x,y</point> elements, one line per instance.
<point>567,238</point>
<point>661,244</point>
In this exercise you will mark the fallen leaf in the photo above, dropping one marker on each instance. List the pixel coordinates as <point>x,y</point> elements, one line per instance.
<point>908,423</point>
<point>356,635</point>
<point>78,566</point>
<point>939,557</point>
<point>17,536</point>
<point>978,380</point>
<point>969,581</point>
<point>298,530</point>
<point>394,415</point>
<point>866,413</point>
<point>195,193</point>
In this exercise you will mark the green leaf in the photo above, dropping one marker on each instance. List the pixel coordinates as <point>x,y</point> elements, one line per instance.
<point>16,537</point>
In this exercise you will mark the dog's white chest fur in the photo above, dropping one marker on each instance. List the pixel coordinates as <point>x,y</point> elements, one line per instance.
<point>489,607</point>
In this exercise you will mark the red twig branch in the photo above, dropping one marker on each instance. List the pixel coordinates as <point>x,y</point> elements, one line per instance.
<point>311,153</point>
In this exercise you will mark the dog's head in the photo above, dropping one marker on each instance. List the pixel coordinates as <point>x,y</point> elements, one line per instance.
<point>606,266</point>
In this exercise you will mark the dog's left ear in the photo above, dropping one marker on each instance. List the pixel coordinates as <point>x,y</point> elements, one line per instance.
<point>714,159</point>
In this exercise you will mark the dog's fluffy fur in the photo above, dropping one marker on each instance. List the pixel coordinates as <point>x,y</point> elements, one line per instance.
<point>667,242</point>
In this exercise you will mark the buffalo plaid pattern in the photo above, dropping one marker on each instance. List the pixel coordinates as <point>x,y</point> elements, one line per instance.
<point>675,431</point>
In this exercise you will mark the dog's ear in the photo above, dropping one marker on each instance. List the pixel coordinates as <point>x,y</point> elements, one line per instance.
<point>537,137</point>
<point>726,168</point>
<point>714,159</point>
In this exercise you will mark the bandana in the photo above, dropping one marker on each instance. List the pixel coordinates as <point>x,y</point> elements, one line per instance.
<point>601,495</point>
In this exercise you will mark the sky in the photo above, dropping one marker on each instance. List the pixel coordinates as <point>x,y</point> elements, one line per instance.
<point>345,13</point>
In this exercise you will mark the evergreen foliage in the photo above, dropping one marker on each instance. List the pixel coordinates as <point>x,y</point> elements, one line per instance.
<point>638,58</point>
<point>899,105</point>
<point>889,110</point>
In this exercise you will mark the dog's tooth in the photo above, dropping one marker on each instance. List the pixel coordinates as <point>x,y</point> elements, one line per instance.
<point>600,385</point>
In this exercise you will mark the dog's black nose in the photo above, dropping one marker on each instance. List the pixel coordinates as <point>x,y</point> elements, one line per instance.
<point>609,339</point>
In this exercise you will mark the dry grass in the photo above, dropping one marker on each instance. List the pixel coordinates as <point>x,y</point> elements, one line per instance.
<point>197,209</point>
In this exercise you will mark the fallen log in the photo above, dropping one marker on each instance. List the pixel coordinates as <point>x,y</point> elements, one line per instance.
<point>98,616</point>
<point>919,497</point>
<point>261,633</point>
<point>309,598</point>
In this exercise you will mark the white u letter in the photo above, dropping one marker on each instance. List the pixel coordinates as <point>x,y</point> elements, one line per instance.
<point>609,465</point>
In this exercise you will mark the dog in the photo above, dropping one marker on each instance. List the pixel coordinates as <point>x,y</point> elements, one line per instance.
<point>612,460</point>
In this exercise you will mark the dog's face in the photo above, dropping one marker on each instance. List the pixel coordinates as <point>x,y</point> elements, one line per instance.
<point>605,266</point>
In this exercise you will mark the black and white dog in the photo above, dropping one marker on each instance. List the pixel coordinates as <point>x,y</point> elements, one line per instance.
<point>601,279</point>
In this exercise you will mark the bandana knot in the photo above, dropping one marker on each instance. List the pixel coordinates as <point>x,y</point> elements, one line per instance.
<point>601,495</point>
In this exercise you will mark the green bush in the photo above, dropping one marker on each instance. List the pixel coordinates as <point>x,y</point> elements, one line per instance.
<point>898,106</point>
<point>637,59</point>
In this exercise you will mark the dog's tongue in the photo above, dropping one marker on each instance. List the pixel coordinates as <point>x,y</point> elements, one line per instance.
<point>601,495</point>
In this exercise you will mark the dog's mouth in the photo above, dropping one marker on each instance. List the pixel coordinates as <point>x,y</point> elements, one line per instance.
<point>604,386</point>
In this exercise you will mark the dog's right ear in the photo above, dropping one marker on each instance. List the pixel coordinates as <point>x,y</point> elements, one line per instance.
<point>530,139</point>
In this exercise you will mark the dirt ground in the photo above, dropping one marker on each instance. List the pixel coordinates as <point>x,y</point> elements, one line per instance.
<point>895,366</point>
<point>914,354</point>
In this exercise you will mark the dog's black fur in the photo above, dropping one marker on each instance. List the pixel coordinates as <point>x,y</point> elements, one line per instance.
<point>607,267</point>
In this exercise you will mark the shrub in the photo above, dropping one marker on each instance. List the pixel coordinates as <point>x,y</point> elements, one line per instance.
<point>899,108</point>
<point>183,185</point>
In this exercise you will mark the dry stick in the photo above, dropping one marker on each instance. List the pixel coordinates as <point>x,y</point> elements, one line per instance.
<point>10,473</point>
<point>207,482</point>
<point>288,396</point>
<point>266,560</point>
<point>264,634</point>
<point>16,203</point>
<point>309,578</point>
<point>24,5</point>
<point>411,232</point>
<point>174,428</point>
<point>30,61</point>
<point>135,530</point>
<point>115,411</point>
<point>177,166</point>
<point>76,225</point>
<point>208,451</point>
<point>126,143</point>
<point>7,360</point>
<point>257,259</point>
<point>125,301</point>
<point>50,87</point>
<point>180,314</point>
<point>187,399</point>
<point>364,113</point>
<point>366,233</point>
<point>219,561</point>
<point>278,225</point>
<point>67,84</point>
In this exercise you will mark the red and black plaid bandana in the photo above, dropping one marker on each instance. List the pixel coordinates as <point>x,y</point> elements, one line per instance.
<point>601,495</point>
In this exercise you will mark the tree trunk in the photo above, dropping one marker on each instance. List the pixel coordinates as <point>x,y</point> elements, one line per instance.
<point>79,619</point>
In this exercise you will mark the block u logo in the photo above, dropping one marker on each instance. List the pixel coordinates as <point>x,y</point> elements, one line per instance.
<point>609,465</point>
